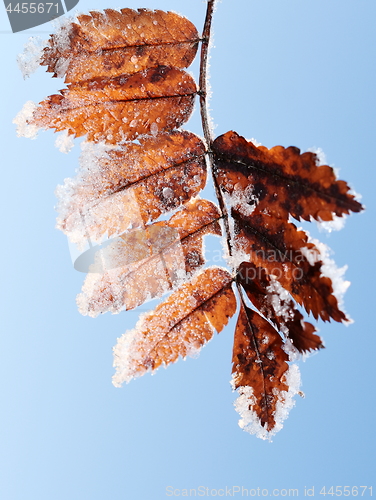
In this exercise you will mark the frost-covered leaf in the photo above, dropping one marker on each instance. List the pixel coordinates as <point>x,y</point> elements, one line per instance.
<point>287,254</point>
<point>122,108</point>
<point>274,302</point>
<point>260,373</point>
<point>111,43</point>
<point>281,181</point>
<point>146,263</point>
<point>120,188</point>
<point>179,326</point>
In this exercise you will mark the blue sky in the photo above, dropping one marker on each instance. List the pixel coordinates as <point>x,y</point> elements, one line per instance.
<point>290,73</point>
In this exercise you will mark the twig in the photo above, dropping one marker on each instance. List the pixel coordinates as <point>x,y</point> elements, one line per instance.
<point>204,114</point>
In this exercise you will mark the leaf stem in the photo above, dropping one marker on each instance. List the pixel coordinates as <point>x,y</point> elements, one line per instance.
<point>203,71</point>
<point>205,115</point>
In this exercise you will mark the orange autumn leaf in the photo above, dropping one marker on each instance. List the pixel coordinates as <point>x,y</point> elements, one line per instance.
<point>179,326</point>
<point>281,181</point>
<point>259,369</point>
<point>112,43</point>
<point>121,108</point>
<point>286,253</point>
<point>276,305</point>
<point>146,263</point>
<point>129,186</point>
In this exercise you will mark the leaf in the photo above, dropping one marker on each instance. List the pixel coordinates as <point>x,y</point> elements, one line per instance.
<point>145,264</point>
<point>113,43</point>
<point>260,374</point>
<point>121,108</point>
<point>129,186</point>
<point>280,181</point>
<point>179,326</point>
<point>286,253</point>
<point>274,303</point>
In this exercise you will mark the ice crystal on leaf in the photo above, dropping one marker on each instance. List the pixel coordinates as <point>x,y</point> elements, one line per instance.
<point>137,190</point>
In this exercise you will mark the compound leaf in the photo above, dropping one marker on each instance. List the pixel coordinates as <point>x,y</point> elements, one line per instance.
<point>127,92</point>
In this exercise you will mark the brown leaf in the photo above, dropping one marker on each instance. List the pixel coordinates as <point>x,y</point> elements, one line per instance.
<point>281,181</point>
<point>122,108</point>
<point>274,303</point>
<point>113,43</point>
<point>259,363</point>
<point>285,253</point>
<point>144,264</point>
<point>131,185</point>
<point>179,326</point>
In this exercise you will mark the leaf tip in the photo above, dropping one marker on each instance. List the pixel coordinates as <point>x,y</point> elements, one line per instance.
<point>246,401</point>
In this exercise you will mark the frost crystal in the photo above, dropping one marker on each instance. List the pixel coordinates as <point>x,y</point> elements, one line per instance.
<point>238,199</point>
<point>321,157</point>
<point>278,298</point>
<point>336,224</point>
<point>154,129</point>
<point>62,43</point>
<point>250,422</point>
<point>24,129</point>
<point>328,269</point>
<point>29,60</point>
<point>64,142</point>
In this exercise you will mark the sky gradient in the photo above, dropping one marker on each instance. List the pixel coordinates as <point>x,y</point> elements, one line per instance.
<point>290,73</point>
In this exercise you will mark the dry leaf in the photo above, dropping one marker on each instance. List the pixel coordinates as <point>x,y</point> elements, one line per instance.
<point>274,302</point>
<point>114,43</point>
<point>120,109</point>
<point>144,264</point>
<point>179,326</point>
<point>117,189</point>
<point>259,363</point>
<point>286,254</point>
<point>281,181</point>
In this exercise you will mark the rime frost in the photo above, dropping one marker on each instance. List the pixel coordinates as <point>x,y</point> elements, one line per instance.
<point>292,351</point>
<point>249,420</point>
<point>29,60</point>
<point>279,299</point>
<point>328,269</point>
<point>64,142</point>
<point>336,224</point>
<point>83,211</point>
<point>24,129</point>
<point>239,199</point>
<point>133,349</point>
<point>177,327</point>
<point>62,42</point>
<point>254,142</point>
<point>321,157</point>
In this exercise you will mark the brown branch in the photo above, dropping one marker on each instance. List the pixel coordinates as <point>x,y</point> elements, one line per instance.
<point>204,115</point>
<point>203,71</point>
